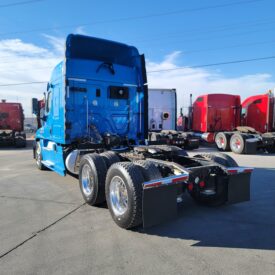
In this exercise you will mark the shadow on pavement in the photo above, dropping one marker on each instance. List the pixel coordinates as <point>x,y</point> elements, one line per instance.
<point>249,225</point>
<point>29,146</point>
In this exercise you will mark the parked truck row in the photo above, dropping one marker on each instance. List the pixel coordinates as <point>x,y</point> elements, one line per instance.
<point>94,125</point>
<point>234,126</point>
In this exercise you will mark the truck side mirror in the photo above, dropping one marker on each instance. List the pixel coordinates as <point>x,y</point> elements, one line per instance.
<point>49,86</point>
<point>35,107</point>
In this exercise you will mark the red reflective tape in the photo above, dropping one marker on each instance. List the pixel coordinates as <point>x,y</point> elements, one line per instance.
<point>233,171</point>
<point>249,170</point>
<point>190,186</point>
<point>180,179</point>
<point>202,184</point>
<point>153,184</point>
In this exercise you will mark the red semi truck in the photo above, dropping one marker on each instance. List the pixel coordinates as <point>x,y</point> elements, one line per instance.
<point>241,128</point>
<point>12,124</point>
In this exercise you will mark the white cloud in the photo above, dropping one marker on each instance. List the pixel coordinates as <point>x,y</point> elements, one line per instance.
<point>17,46</point>
<point>26,62</point>
<point>57,43</point>
<point>80,30</point>
<point>200,81</point>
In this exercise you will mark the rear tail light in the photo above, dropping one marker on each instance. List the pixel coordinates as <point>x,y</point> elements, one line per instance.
<point>190,186</point>
<point>202,184</point>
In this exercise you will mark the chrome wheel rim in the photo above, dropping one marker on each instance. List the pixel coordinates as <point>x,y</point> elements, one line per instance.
<point>220,142</point>
<point>38,154</point>
<point>118,196</point>
<point>236,144</point>
<point>87,181</point>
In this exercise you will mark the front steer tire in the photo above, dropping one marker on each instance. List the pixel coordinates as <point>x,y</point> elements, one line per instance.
<point>92,175</point>
<point>131,177</point>
<point>38,156</point>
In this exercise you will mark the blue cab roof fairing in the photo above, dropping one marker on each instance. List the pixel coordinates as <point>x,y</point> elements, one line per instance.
<point>84,47</point>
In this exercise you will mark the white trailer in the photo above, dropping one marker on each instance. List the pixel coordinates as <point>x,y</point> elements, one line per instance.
<point>162,105</point>
<point>162,120</point>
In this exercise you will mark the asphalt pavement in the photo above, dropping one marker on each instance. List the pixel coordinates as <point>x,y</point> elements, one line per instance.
<point>45,228</point>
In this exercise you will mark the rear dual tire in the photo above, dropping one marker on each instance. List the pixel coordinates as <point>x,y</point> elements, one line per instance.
<point>222,141</point>
<point>237,143</point>
<point>220,197</point>
<point>121,186</point>
<point>124,187</point>
<point>124,190</point>
<point>92,175</point>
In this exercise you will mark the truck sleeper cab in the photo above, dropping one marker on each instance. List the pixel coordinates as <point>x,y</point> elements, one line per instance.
<point>94,126</point>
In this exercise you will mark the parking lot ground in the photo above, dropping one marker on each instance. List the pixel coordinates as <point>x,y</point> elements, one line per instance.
<point>46,229</point>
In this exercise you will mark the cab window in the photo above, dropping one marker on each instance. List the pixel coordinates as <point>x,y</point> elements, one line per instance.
<point>49,102</point>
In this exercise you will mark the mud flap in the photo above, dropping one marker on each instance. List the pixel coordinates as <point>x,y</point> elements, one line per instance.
<point>251,146</point>
<point>239,188</point>
<point>159,205</point>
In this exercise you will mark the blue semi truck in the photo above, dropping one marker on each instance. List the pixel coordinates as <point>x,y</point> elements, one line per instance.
<point>94,125</point>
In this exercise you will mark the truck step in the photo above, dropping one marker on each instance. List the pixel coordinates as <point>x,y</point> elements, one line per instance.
<point>48,163</point>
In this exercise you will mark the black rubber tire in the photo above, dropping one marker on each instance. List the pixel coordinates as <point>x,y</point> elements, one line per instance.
<point>225,146</point>
<point>98,171</point>
<point>20,142</point>
<point>270,149</point>
<point>133,179</point>
<point>241,139</point>
<point>220,158</point>
<point>148,170</point>
<point>220,197</point>
<point>110,158</point>
<point>38,159</point>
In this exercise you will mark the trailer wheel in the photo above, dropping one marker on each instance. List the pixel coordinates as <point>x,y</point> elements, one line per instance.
<point>92,174</point>
<point>110,158</point>
<point>222,141</point>
<point>148,170</point>
<point>220,158</point>
<point>237,143</point>
<point>124,194</point>
<point>38,156</point>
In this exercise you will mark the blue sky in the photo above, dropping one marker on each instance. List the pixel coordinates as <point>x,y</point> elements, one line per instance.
<point>170,33</point>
